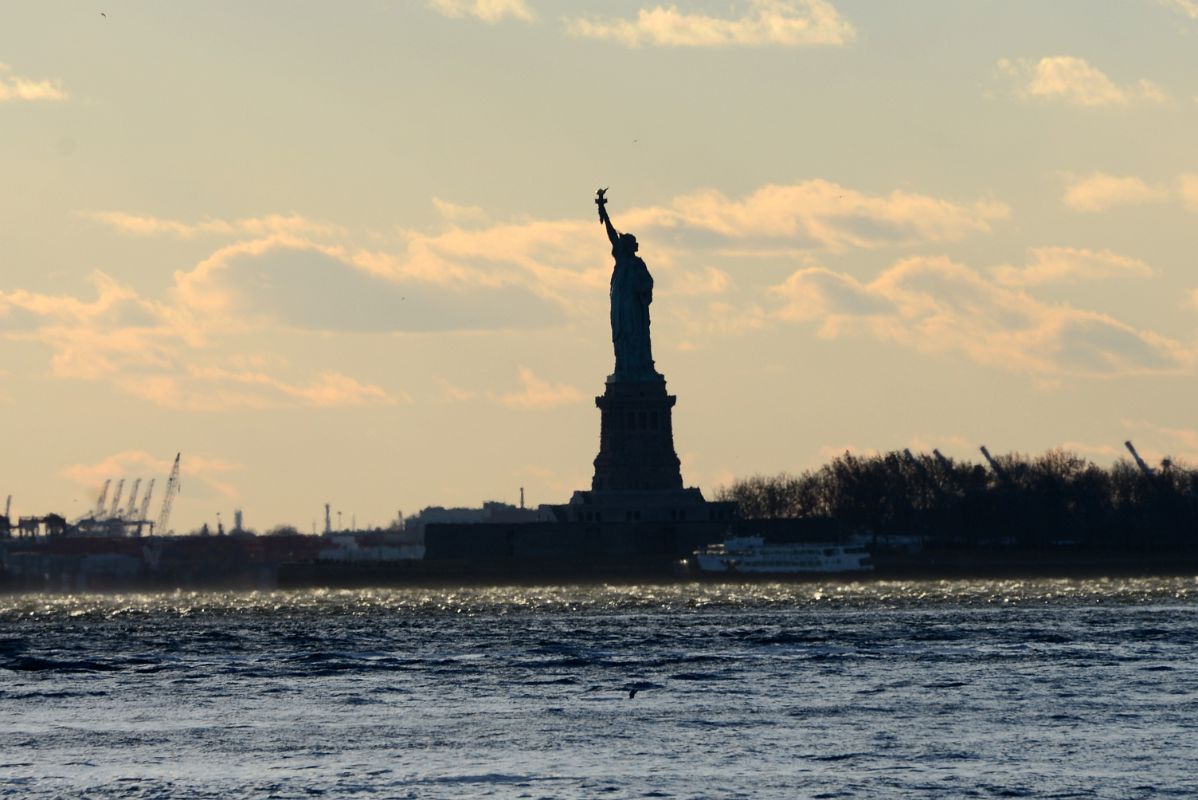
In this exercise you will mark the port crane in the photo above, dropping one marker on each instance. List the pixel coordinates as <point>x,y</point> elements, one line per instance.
<point>916,463</point>
<point>172,489</point>
<point>1141,463</point>
<point>145,507</point>
<point>116,498</point>
<point>99,512</point>
<point>994,465</point>
<point>129,509</point>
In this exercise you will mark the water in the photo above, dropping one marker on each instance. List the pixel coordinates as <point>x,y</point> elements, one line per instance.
<point>914,689</point>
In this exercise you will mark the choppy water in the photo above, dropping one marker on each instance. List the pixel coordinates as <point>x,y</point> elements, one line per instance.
<point>914,689</point>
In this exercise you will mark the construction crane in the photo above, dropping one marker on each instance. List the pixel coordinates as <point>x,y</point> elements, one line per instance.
<point>994,465</point>
<point>172,489</point>
<point>1147,470</point>
<point>116,498</point>
<point>99,512</point>
<point>8,508</point>
<point>144,511</point>
<point>129,509</point>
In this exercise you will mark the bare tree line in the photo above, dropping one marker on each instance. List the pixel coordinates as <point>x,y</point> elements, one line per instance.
<point>1057,499</point>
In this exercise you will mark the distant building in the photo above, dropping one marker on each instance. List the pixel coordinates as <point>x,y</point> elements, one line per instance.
<point>491,511</point>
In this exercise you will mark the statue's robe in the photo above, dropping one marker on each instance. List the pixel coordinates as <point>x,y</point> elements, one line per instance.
<point>631,294</point>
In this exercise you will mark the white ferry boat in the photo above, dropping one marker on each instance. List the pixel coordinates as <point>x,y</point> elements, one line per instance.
<point>751,555</point>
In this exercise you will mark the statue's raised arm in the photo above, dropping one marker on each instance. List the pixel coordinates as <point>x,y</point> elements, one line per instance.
<point>601,201</point>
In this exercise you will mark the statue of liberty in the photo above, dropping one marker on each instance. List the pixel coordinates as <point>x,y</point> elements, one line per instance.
<point>631,294</point>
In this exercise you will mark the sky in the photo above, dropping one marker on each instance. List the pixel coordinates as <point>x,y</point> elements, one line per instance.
<point>350,254</point>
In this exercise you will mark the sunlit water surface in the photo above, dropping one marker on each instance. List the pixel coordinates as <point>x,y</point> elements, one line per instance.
<point>905,689</point>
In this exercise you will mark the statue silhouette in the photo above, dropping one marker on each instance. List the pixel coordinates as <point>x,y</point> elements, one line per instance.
<point>631,294</point>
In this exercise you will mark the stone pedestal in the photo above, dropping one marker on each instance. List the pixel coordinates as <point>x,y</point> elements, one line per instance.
<point>636,439</point>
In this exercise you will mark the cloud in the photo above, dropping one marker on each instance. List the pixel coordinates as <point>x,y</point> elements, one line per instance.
<point>1187,7</point>
<point>1069,265</point>
<point>451,393</point>
<point>1108,451</point>
<point>831,451</point>
<point>287,274</point>
<point>1188,189</point>
<point>459,214</point>
<point>717,317</point>
<point>220,389</point>
<point>540,394</point>
<point>142,225</point>
<point>130,464</point>
<point>825,215</point>
<point>937,306</point>
<point>14,88</point>
<point>559,261</point>
<point>307,286</point>
<point>565,262</point>
<point>158,352</point>
<point>117,332</point>
<point>1100,191</point>
<point>486,10</point>
<point>787,23</point>
<point>688,283</point>
<point>1073,80</point>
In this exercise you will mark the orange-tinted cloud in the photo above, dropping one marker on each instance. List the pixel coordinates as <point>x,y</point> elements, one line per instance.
<point>210,472</point>
<point>820,214</point>
<point>486,10</point>
<point>1188,188</point>
<point>292,274</point>
<point>936,305</point>
<point>786,23</point>
<point>537,393</point>
<point>220,389</point>
<point>1100,191</point>
<point>272,224</point>
<point>1187,7</point>
<point>1073,80</point>
<point>1070,265</point>
<point>15,88</point>
<point>157,352</point>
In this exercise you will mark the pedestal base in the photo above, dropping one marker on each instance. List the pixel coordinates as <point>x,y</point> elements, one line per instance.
<point>636,439</point>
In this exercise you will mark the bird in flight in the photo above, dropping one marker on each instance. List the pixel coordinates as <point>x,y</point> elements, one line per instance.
<point>102,14</point>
